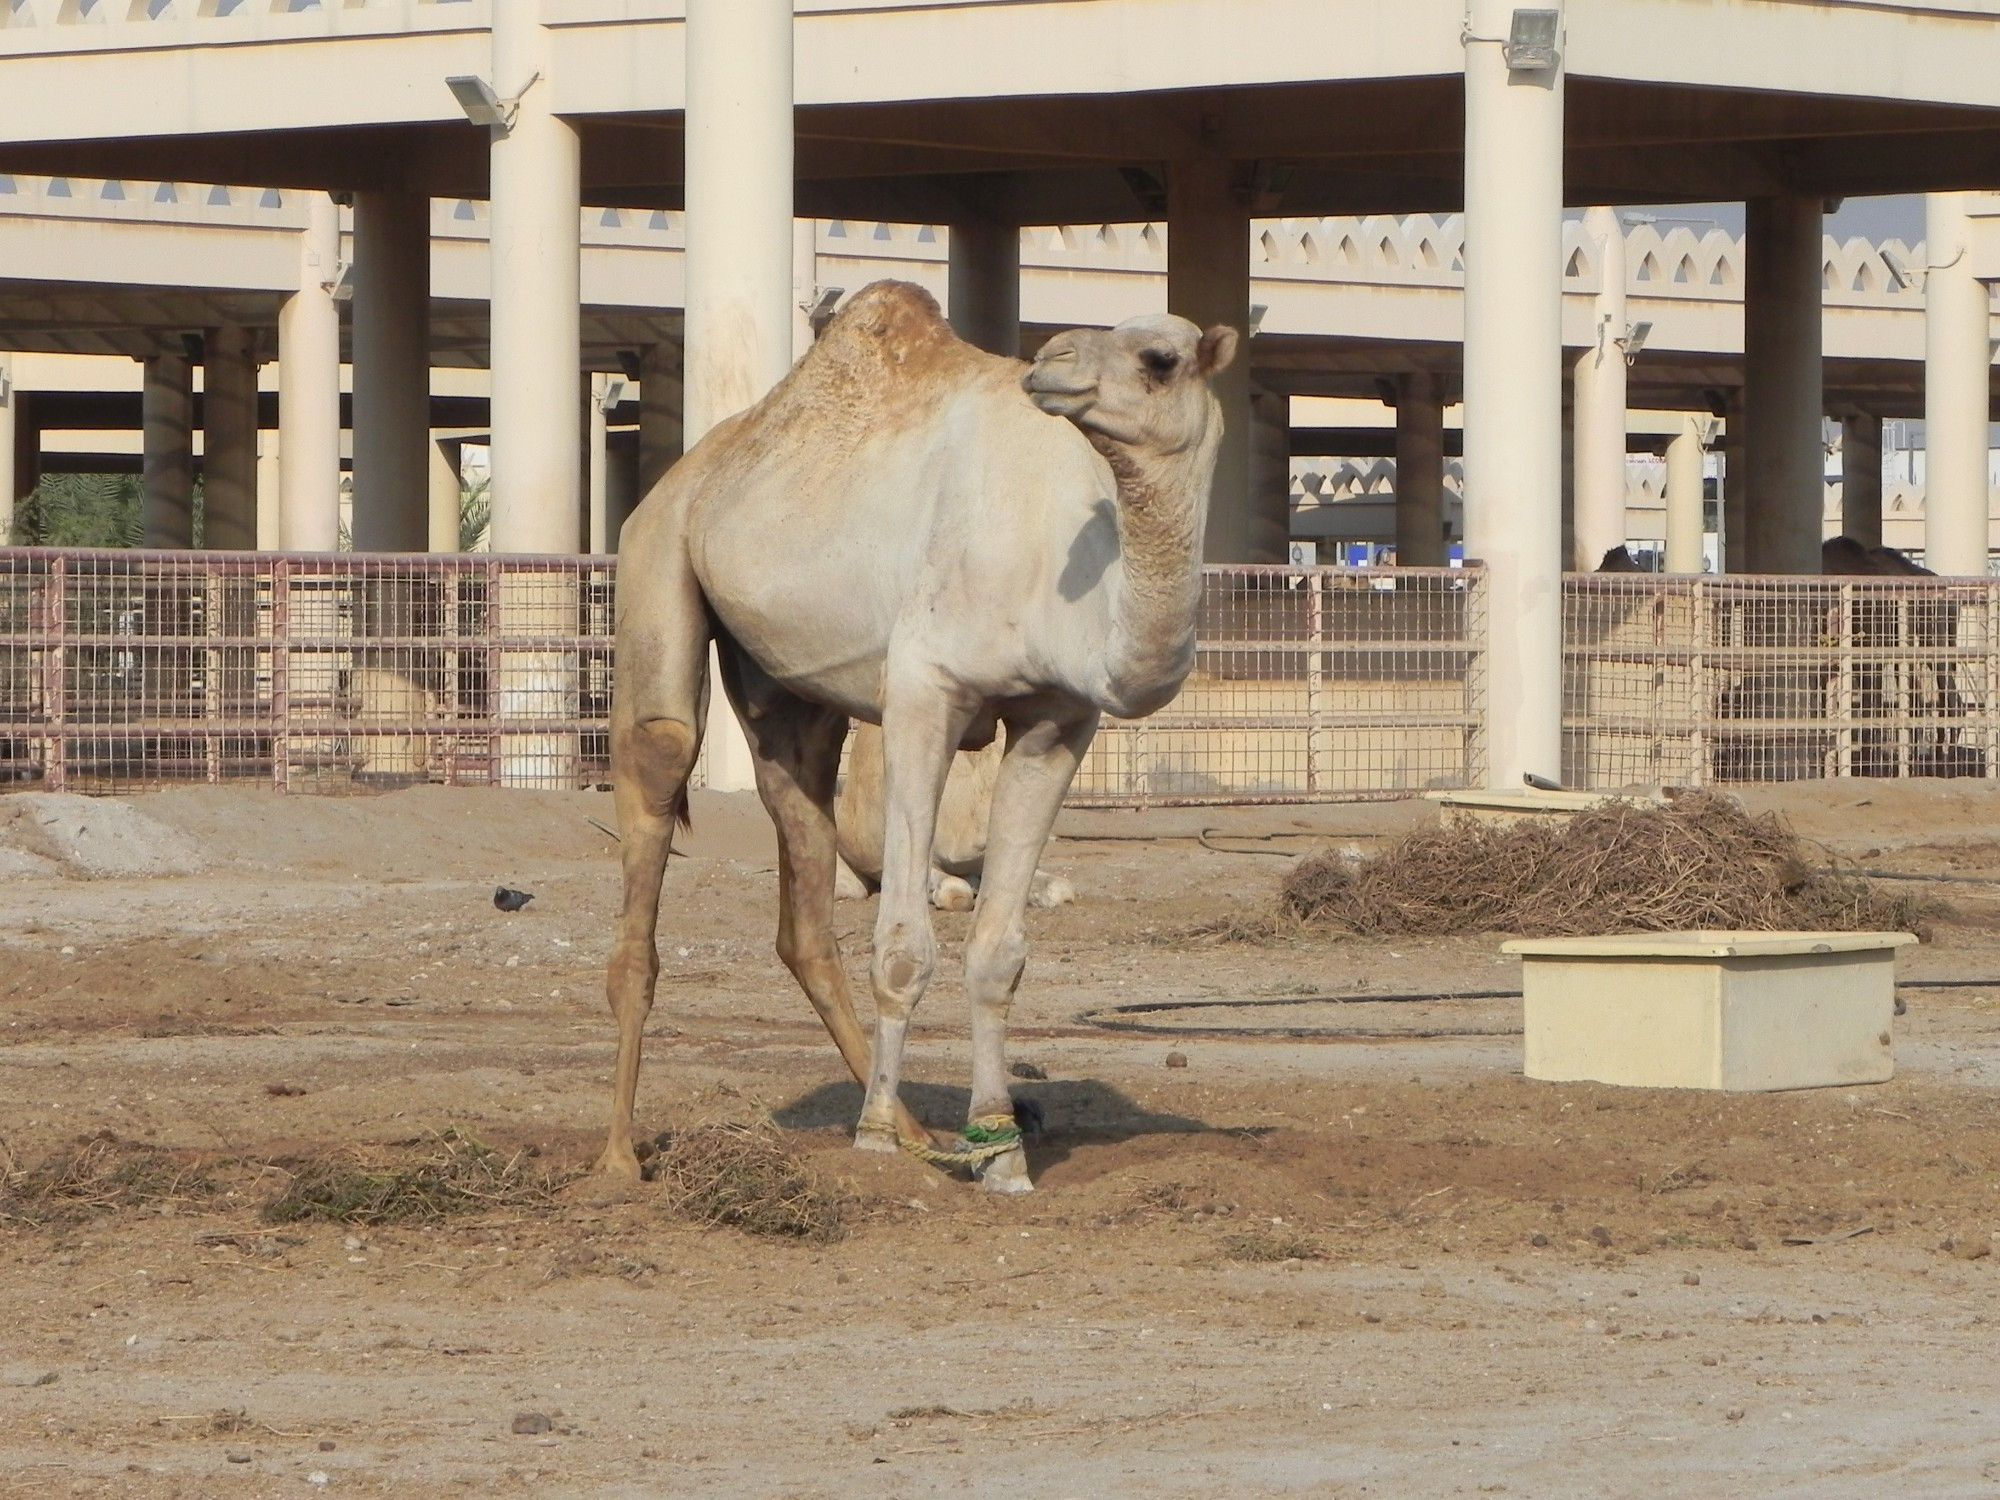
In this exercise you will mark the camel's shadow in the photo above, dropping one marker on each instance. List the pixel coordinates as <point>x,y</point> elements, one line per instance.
<point>1074,1111</point>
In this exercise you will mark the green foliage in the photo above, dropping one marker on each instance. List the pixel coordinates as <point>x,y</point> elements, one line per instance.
<point>80,510</point>
<point>475,515</point>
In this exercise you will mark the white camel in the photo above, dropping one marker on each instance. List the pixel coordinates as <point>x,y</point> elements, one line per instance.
<point>958,851</point>
<point>897,534</point>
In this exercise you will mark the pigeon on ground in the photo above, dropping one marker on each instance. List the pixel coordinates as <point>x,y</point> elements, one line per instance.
<point>511,900</point>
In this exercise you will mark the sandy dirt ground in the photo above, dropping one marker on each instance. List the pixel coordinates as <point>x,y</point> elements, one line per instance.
<point>1375,1264</point>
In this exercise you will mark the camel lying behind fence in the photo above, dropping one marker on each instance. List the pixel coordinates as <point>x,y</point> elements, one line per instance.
<point>958,851</point>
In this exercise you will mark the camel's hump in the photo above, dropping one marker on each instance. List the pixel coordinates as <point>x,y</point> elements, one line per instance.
<point>887,320</point>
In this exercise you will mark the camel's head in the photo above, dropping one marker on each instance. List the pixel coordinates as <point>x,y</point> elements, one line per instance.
<point>1143,384</point>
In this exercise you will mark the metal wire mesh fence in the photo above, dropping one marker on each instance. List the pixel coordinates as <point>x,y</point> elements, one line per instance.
<point>308,672</point>
<point>1685,680</point>
<point>1312,685</point>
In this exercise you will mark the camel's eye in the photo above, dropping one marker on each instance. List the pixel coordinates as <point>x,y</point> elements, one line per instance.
<point>1159,361</point>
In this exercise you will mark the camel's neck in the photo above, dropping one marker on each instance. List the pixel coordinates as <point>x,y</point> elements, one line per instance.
<point>1162,514</point>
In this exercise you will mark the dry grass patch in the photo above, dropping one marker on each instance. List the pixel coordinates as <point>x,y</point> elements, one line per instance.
<point>1258,1246</point>
<point>99,1174</point>
<point>748,1177</point>
<point>1700,861</point>
<point>449,1173</point>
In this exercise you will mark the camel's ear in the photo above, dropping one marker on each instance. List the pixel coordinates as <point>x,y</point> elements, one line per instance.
<point>1217,351</point>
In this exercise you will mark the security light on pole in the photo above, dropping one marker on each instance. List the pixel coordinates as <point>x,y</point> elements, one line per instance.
<point>1531,41</point>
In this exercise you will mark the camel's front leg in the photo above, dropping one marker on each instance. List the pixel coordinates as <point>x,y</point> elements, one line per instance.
<point>1042,757</point>
<point>921,727</point>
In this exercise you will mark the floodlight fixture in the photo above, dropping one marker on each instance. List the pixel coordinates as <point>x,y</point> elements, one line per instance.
<point>1901,276</point>
<point>614,393</point>
<point>1531,41</point>
<point>819,311</point>
<point>341,288</point>
<point>483,104</point>
<point>1635,338</point>
<point>6,384</point>
<point>1257,311</point>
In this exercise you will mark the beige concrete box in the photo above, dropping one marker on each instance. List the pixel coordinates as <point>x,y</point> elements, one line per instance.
<point>1711,1010</point>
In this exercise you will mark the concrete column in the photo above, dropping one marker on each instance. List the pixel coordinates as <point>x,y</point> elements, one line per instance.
<point>984,264</point>
<point>1419,472</point>
<point>537,329</point>
<point>660,429</point>
<point>392,369</point>
<point>270,491</point>
<point>1513,391</point>
<point>739,245</point>
<point>7,441</point>
<point>25,451</point>
<point>166,503</point>
<point>597,542</point>
<point>1598,403</point>
<point>621,482</point>
<point>1735,489</point>
<point>443,489</point>
<point>1684,495</point>
<point>1782,279</point>
<point>1958,327</point>
<point>1861,477</point>
<point>229,440</point>
<point>309,390</point>
<point>1208,282</point>
<point>805,285</point>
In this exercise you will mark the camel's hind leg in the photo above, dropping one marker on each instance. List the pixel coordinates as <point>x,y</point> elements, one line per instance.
<point>659,702</point>
<point>795,746</point>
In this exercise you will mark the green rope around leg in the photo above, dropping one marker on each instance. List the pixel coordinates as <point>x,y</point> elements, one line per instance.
<point>985,1138</point>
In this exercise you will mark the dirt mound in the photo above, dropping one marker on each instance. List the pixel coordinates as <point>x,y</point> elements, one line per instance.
<point>1700,861</point>
<point>97,838</point>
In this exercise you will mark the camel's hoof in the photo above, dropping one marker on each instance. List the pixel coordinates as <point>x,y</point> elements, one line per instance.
<point>1050,891</point>
<point>954,893</point>
<point>619,1161</point>
<point>874,1138</point>
<point>1007,1174</point>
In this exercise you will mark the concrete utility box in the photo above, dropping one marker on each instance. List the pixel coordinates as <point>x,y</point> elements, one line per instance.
<point>1711,1010</point>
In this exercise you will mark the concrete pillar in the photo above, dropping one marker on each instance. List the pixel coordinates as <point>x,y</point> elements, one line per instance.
<point>1782,279</point>
<point>25,450</point>
<point>1513,391</point>
<point>1684,494</point>
<point>392,369</point>
<point>660,428</point>
<point>597,543</point>
<point>166,504</point>
<point>984,264</point>
<point>229,440</point>
<point>1208,282</point>
<point>270,491</point>
<point>1958,326</point>
<point>7,441</point>
<point>1419,472</point>
<point>537,329</point>
<point>443,489</point>
<point>1271,471</point>
<point>1735,489</point>
<point>309,390</point>
<point>1861,477</point>
<point>1598,402</point>
<point>621,482</point>
<point>739,245</point>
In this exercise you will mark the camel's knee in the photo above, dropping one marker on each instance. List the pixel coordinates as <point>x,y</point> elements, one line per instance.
<point>902,966</point>
<point>657,755</point>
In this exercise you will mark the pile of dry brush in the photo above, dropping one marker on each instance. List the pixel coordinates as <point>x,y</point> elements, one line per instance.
<point>1697,861</point>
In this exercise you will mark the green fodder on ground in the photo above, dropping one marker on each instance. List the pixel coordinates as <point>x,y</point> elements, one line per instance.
<point>749,1177</point>
<point>1698,861</point>
<point>420,1182</point>
<point>100,1173</point>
